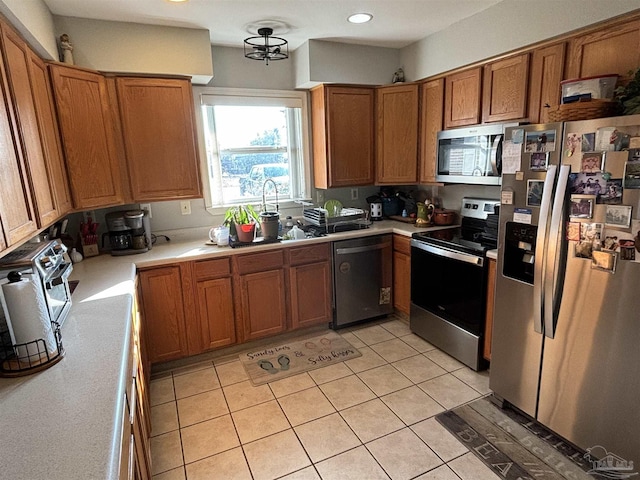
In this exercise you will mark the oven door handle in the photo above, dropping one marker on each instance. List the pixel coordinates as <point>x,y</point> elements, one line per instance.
<point>445,252</point>
<point>61,276</point>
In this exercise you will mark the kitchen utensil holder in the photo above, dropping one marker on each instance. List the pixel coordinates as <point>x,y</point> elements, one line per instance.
<point>14,364</point>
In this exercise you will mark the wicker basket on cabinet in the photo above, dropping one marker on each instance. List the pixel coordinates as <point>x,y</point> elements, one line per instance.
<point>583,110</point>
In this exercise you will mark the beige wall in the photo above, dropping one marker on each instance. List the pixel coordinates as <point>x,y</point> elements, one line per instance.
<point>505,26</point>
<point>34,21</point>
<point>332,62</point>
<point>236,71</point>
<point>132,47</point>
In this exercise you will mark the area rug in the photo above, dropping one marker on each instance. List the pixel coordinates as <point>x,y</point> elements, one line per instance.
<point>515,447</point>
<point>281,361</point>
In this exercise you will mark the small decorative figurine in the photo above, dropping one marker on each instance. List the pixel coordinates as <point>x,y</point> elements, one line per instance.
<point>398,76</point>
<point>67,49</point>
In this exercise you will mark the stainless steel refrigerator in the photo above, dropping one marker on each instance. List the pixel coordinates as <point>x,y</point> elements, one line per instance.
<point>566,334</point>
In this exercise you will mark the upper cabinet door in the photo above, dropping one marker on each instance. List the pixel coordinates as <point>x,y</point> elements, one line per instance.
<point>342,125</point>
<point>17,216</point>
<point>431,111</point>
<point>158,123</point>
<point>86,126</point>
<point>49,132</point>
<point>547,66</point>
<point>505,89</point>
<point>16,57</point>
<point>614,49</point>
<point>397,134</point>
<point>462,98</point>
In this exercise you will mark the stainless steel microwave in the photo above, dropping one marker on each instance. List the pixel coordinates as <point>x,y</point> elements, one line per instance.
<point>471,155</point>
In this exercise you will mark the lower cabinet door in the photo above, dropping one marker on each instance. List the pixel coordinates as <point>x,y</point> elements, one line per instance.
<point>402,282</point>
<point>163,310</point>
<point>310,294</point>
<point>216,313</point>
<point>264,309</point>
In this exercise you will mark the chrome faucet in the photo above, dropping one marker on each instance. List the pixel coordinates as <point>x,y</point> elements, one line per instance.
<point>264,201</point>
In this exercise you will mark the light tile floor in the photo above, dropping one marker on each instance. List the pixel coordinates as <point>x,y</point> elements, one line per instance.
<point>371,417</point>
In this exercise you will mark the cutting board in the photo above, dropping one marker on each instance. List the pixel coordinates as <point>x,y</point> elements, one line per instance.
<point>400,218</point>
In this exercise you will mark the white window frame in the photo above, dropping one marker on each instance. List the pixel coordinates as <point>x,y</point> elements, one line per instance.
<point>239,96</point>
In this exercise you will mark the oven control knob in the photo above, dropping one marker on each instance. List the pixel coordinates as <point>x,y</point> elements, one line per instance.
<point>45,262</point>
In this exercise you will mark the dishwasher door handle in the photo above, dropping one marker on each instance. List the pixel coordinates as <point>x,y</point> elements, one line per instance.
<point>366,248</point>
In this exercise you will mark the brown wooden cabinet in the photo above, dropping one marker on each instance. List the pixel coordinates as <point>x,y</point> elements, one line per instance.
<point>310,285</point>
<point>431,111</point>
<point>159,135</point>
<point>17,216</point>
<point>402,273</point>
<point>262,295</point>
<point>547,67</point>
<point>135,457</point>
<point>16,57</point>
<point>504,89</point>
<point>613,49</point>
<point>86,126</point>
<point>488,327</point>
<point>214,302</point>
<point>462,96</point>
<point>397,134</point>
<point>50,133</point>
<point>342,119</point>
<point>163,307</point>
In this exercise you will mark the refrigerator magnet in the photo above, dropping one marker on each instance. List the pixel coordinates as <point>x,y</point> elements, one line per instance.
<point>618,216</point>
<point>581,206</point>
<point>539,161</point>
<point>573,231</point>
<point>534,192</point>
<point>573,144</point>
<point>592,162</point>
<point>632,170</point>
<point>522,215</point>
<point>604,261</point>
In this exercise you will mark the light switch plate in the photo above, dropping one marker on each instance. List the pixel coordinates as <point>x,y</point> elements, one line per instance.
<point>185,207</point>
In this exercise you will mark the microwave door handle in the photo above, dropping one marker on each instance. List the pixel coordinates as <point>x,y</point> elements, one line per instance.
<point>541,246</point>
<point>496,156</point>
<point>556,256</point>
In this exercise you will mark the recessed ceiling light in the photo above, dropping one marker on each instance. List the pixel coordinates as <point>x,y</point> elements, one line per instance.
<point>177,1</point>
<point>360,18</point>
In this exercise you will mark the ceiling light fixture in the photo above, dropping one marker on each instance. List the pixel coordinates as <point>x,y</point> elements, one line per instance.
<point>266,47</point>
<point>360,18</point>
<point>178,1</point>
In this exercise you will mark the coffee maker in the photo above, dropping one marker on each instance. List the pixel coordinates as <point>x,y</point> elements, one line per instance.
<point>129,232</point>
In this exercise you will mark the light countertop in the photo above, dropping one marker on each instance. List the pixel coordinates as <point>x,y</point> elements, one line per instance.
<point>65,422</point>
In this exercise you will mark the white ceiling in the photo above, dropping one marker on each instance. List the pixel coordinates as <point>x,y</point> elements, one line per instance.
<point>395,24</point>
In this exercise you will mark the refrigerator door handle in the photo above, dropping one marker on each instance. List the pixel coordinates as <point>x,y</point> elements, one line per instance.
<point>556,258</point>
<point>541,248</point>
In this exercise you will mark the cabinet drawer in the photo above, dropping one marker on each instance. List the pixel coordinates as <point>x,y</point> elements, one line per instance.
<point>260,262</point>
<point>402,244</point>
<point>310,254</point>
<point>206,269</point>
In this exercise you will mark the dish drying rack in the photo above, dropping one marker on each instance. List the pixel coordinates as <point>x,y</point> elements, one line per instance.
<point>347,219</point>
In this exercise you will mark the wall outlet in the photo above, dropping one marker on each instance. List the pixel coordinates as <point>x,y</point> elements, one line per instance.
<point>354,194</point>
<point>89,214</point>
<point>320,197</point>
<point>185,207</point>
<point>147,207</point>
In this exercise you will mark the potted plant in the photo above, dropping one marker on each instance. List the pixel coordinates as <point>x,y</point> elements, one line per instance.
<point>241,220</point>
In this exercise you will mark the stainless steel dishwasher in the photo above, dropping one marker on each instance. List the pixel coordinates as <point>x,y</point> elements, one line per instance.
<point>362,279</point>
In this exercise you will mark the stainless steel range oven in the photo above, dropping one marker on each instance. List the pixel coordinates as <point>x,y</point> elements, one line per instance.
<point>448,282</point>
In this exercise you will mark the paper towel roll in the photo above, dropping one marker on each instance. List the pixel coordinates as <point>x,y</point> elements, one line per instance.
<point>28,315</point>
